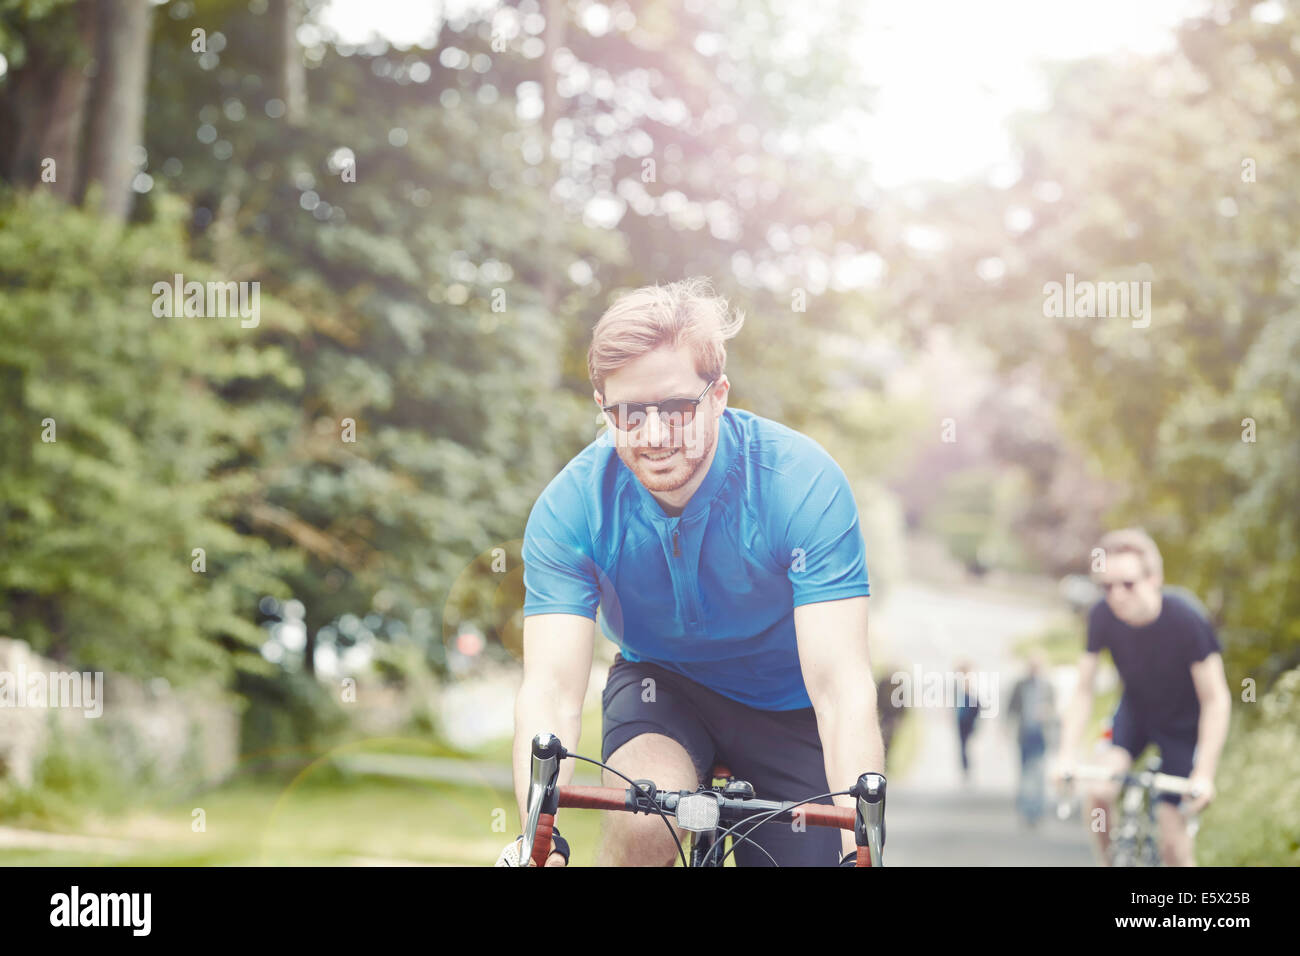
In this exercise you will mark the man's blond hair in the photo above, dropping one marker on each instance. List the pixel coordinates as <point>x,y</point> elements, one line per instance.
<point>1134,541</point>
<point>686,313</point>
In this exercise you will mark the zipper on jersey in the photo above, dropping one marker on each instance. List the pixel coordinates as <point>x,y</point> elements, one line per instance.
<point>676,573</point>
<point>689,599</point>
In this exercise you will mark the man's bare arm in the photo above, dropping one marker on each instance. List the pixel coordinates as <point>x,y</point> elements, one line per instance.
<point>1216,707</point>
<point>557,668</point>
<point>1079,709</point>
<point>832,639</point>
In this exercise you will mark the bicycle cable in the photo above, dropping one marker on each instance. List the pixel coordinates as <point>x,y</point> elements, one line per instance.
<point>744,837</point>
<point>657,809</point>
<point>761,818</point>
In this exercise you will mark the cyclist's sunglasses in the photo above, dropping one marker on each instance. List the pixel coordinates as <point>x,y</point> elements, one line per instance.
<point>1107,586</point>
<point>673,412</point>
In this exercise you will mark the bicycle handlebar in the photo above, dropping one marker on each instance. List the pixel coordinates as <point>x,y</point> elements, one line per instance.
<point>730,809</point>
<point>867,820</point>
<point>1152,780</point>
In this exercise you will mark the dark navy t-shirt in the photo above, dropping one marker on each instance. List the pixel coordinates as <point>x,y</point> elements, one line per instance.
<point>1155,661</point>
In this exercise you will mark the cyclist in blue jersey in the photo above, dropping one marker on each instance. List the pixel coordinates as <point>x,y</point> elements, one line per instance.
<point>724,555</point>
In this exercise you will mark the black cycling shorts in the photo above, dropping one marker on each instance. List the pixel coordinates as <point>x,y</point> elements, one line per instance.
<point>778,751</point>
<point>1177,744</point>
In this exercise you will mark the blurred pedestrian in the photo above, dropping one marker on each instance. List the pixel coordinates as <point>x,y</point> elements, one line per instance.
<point>1033,708</point>
<point>968,710</point>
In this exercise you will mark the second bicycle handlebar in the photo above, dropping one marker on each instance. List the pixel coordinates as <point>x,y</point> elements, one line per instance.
<point>1153,780</point>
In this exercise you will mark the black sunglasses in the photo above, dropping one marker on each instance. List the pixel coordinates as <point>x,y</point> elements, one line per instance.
<point>673,412</point>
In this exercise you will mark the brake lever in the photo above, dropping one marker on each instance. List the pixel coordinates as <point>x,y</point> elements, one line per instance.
<point>543,794</point>
<point>869,828</point>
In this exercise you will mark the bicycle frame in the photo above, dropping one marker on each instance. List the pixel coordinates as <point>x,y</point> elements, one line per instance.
<point>705,813</point>
<point>1132,843</point>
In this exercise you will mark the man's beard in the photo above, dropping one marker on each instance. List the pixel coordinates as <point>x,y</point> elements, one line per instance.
<point>672,473</point>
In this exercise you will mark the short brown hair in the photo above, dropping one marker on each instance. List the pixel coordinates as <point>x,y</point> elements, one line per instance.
<point>1134,541</point>
<point>687,312</point>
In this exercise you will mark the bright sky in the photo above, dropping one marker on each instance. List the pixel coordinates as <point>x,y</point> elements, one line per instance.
<point>948,72</point>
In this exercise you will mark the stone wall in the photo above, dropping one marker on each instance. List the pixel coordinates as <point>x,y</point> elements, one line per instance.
<point>147,726</point>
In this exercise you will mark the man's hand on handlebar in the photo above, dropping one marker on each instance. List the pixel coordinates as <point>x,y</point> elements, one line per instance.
<point>555,859</point>
<point>1059,770</point>
<point>513,854</point>
<point>1201,794</point>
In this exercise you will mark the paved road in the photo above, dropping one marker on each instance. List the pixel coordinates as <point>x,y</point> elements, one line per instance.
<point>934,819</point>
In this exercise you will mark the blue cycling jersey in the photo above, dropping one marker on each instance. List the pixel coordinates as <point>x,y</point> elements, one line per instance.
<point>709,594</point>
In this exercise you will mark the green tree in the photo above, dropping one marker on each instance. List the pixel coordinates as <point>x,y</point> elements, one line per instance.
<point>121,454</point>
<point>1176,170</point>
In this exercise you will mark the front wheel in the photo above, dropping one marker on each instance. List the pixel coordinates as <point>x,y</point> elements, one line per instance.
<point>1151,853</point>
<point>1123,850</point>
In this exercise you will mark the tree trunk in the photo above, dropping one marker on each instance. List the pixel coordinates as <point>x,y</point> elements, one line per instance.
<point>117,108</point>
<point>44,107</point>
<point>290,74</point>
<point>554,39</point>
